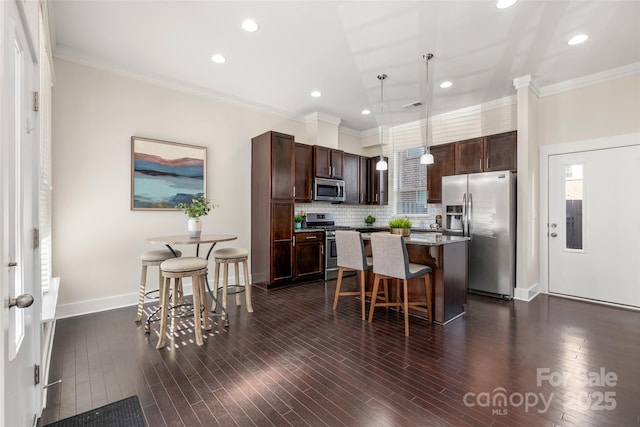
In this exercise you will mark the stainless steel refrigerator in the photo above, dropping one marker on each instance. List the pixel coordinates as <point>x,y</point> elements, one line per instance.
<point>482,206</point>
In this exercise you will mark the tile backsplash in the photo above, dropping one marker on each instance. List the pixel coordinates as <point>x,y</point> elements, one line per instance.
<point>354,215</point>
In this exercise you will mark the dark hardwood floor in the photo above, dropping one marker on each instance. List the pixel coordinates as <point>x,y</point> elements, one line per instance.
<point>295,361</point>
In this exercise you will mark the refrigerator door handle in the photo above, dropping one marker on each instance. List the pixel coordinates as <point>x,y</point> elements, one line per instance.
<point>469,216</point>
<point>464,214</point>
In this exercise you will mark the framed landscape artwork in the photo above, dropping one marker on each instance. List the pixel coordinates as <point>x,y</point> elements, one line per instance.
<point>165,174</point>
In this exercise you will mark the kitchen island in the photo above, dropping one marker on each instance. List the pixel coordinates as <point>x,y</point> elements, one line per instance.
<point>447,256</point>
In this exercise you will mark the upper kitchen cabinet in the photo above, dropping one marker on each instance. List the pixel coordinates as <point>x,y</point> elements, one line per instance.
<point>303,172</point>
<point>469,156</point>
<point>501,152</point>
<point>328,162</point>
<point>365,168</point>
<point>489,153</point>
<point>351,178</point>
<point>443,165</point>
<point>378,183</point>
<point>282,164</point>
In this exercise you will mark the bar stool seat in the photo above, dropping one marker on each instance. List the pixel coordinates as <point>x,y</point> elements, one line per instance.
<point>177,269</point>
<point>151,258</point>
<point>352,257</point>
<point>234,256</point>
<point>391,261</point>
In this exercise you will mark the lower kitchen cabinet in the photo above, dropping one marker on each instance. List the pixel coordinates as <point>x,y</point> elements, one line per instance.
<point>309,258</point>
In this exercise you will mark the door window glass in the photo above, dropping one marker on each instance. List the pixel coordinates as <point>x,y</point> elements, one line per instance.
<point>574,198</point>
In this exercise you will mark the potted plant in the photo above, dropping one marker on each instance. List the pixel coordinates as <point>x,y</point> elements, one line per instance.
<point>199,206</point>
<point>298,220</point>
<point>369,220</point>
<point>400,226</point>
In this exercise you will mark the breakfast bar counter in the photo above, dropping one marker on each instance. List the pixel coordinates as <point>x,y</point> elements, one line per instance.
<point>447,256</point>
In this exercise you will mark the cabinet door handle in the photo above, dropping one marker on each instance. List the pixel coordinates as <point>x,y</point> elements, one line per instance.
<point>480,164</point>
<point>294,191</point>
<point>486,164</point>
<point>294,240</point>
<point>311,237</point>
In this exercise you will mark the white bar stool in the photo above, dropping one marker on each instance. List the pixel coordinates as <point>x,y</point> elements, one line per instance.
<point>234,256</point>
<point>151,258</point>
<point>176,269</point>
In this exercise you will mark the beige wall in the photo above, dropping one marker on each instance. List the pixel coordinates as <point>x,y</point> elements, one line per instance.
<point>97,237</point>
<point>604,109</point>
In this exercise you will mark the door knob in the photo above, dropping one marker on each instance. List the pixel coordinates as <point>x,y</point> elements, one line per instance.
<point>22,301</point>
<point>554,234</point>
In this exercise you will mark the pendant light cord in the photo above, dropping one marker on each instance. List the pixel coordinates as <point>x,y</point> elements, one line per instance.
<point>427,157</point>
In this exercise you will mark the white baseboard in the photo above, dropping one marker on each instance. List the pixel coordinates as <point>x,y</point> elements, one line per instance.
<point>117,301</point>
<point>103,304</point>
<point>526,294</point>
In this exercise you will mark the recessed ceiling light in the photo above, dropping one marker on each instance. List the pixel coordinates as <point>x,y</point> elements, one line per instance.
<point>218,59</point>
<point>316,94</point>
<point>250,25</point>
<point>366,112</point>
<point>503,4</point>
<point>446,84</point>
<point>577,39</point>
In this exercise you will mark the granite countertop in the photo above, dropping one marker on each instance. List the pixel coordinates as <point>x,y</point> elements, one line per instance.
<point>427,239</point>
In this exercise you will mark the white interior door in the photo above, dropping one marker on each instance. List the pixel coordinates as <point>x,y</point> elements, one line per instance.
<point>594,225</point>
<point>19,145</point>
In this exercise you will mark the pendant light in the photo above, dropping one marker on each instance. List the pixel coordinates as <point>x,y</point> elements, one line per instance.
<point>427,157</point>
<point>381,165</point>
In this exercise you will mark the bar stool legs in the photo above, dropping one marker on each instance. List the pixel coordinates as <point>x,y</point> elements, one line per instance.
<point>151,258</point>
<point>235,256</point>
<point>176,269</point>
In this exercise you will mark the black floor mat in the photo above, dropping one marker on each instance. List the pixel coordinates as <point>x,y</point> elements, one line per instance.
<point>123,413</point>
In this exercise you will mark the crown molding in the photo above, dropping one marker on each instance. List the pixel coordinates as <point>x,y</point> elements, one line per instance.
<point>322,117</point>
<point>592,79</point>
<point>526,82</point>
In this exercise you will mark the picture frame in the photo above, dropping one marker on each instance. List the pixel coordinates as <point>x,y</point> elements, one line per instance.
<point>165,174</point>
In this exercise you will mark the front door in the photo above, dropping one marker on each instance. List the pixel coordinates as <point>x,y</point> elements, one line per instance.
<point>18,211</point>
<point>594,225</point>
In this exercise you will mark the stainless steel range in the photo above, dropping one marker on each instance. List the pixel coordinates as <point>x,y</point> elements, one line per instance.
<point>326,222</point>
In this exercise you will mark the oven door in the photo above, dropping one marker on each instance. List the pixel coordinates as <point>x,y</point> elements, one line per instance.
<point>331,258</point>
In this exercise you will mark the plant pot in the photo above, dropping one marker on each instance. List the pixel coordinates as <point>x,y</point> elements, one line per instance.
<point>298,225</point>
<point>402,231</point>
<point>195,227</point>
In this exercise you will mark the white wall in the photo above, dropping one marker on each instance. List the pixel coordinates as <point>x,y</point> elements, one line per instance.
<point>98,238</point>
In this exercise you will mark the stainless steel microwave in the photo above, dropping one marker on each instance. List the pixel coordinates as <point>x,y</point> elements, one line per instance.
<point>328,190</point>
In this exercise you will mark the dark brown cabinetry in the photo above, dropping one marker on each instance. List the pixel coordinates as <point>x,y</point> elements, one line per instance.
<point>469,156</point>
<point>378,183</point>
<point>308,255</point>
<point>328,162</point>
<point>272,208</point>
<point>489,153</point>
<point>365,172</point>
<point>501,152</point>
<point>351,178</point>
<point>443,165</point>
<point>303,172</point>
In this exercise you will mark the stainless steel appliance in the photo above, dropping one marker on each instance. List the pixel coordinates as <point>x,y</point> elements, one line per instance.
<point>483,206</point>
<point>328,190</point>
<point>326,222</point>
